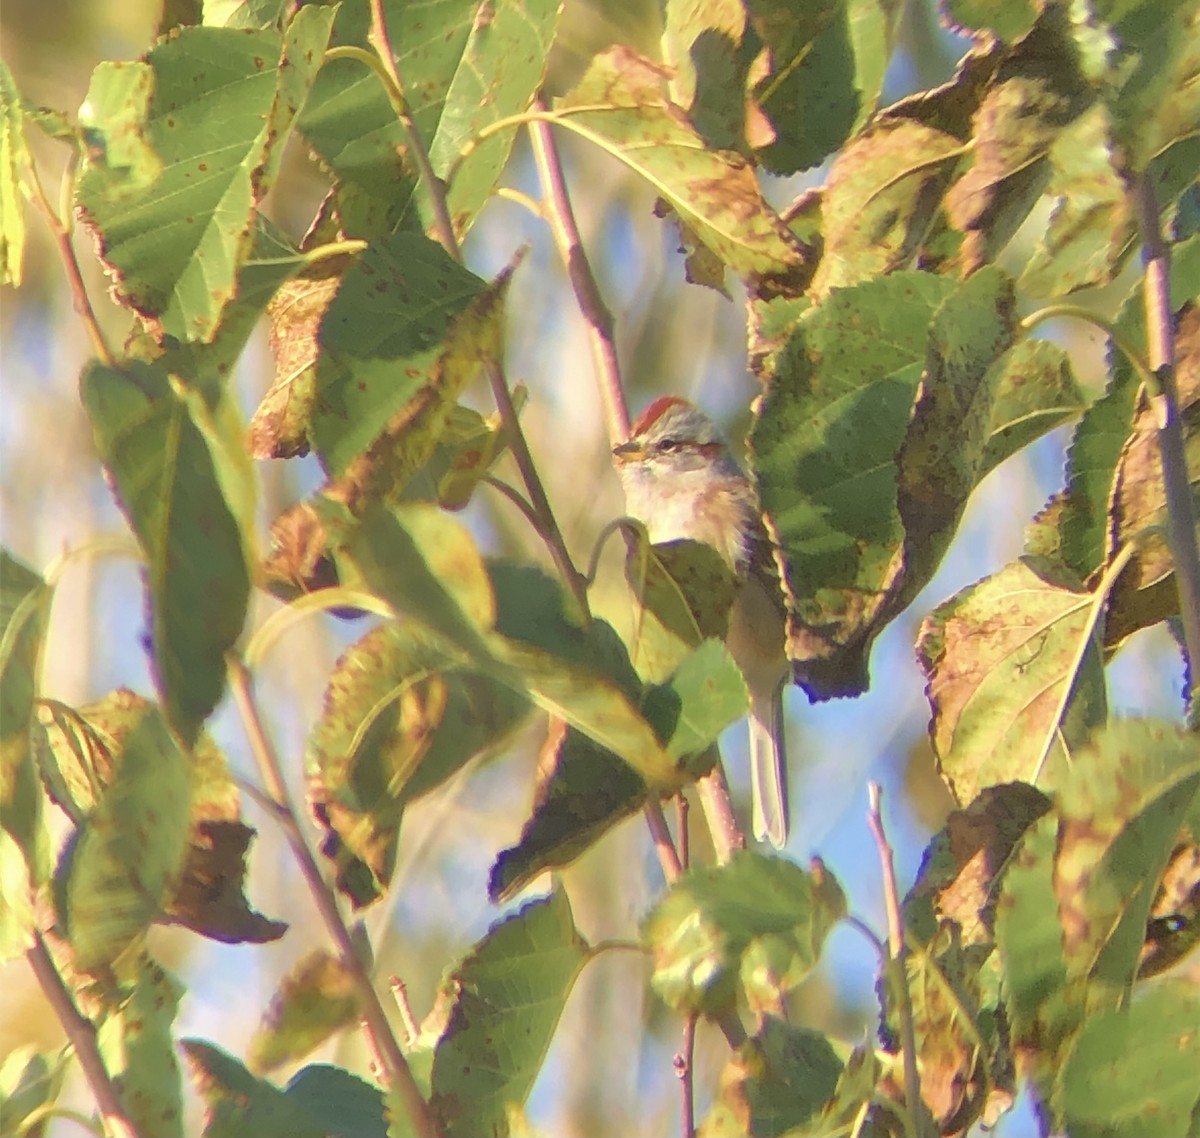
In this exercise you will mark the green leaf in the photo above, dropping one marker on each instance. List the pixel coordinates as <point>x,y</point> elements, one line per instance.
<point>344,1104</point>
<point>757,922</point>
<point>825,73</point>
<point>29,1082</point>
<point>177,466</point>
<point>502,67</point>
<point>582,675</point>
<point>1133,1071</point>
<point>778,1081</point>
<point>504,1002</point>
<point>789,81</point>
<point>1092,226</point>
<point>113,123</point>
<point>702,697</point>
<point>1035,392</point>
<point>219,106</point>
<point>400,718</point>
<point>997,659</point>
<point>24,612</point>
<point>13,156</point>
<point>873,434</point>
<point>408,325</point>
<point>1155,103</point>
<point>590,789</point>
<point>139,1051</point>
<point>1122,800</point>
<point>320,1101</point>
<point>511,624</point>
<point>130,852</point>
<point>963,865</point>
<point>588,792</point>
<point>841,388</point>
<point>1038,90</point>
<point>942,457</point>
<point>315,999</point>
<point>1102,435</point>
<point>423,563</point>
<point>621,105</point>
<point>77,752</point>
<point>17,917</point>
<point>1008,19</point>
<point>354,129</point>
<point>1043,1012</point>
<point>881,196</point>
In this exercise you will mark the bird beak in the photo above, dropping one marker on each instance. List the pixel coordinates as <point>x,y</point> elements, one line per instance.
<point>627,451</point>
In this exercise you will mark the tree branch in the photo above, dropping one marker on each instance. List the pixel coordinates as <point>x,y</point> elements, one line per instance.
<point>81,1033</point>
<point>595,312</point>
<point>896,964</point>
<point>1160,340</point>
<point>396,1069</point>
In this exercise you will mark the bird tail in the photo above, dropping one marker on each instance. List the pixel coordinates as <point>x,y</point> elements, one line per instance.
<point>768,770</point>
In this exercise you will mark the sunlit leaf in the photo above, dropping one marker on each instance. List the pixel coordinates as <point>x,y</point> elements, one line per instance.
<point>873,433</point>
<point>78,751</point>
<point>170,460</point>
<point>1122,800</point>
<point>131,849</point>
<point>13,156</point>
<point>315,999</point>
<point>998,659</point>
<point>502,67</point>
<point>400,717</point>
<point>1133,1071</point>
<point>24,611</point>
<point>756,923</point>
<point>1037,91</point>
<point>138,1047</point>
<point>504,1001</point>
<point>223,103</point>
<point>775,1083</point>
<point>621,104</point>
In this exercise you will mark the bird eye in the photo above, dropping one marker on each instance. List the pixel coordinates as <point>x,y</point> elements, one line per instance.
<point>668,445</point>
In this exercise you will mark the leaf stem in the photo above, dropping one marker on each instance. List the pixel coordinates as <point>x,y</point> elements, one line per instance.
<point>1160,340</point>
<point>81,1033</point>
<point>685,1069</point>
<point>668,856</point>
<point>561,218</point>
<point>396,1069</point>
<point>66,250</point>
<point>897,955</point>
<point>1096,608</point>
<point>1078,312</point>
<point>547,525</point>
<point>268,633</point>
<point>443,227</point>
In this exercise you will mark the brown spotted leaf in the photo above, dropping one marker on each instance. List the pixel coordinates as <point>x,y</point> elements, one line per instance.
<point>622,104</point>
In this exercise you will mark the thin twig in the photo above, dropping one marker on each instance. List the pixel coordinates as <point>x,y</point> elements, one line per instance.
<point>442,225</point>
<point>717,804</point>
<point>81,1033</point>
<point>396,1069</point>
<point>684,1068</point>
<point>1160,340</point>
<point>547,525</point>
<point>400,995</point>
<point>682,810</point>
<point>668,856</point>
<point>587,293</point>
<point>897,965</point>
<point>61,232</point>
